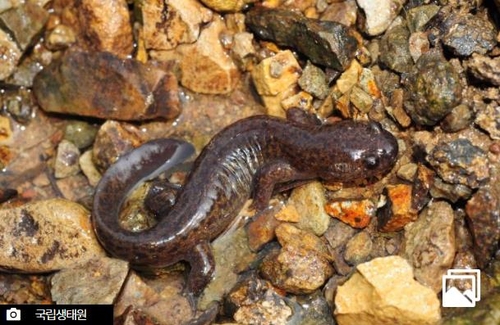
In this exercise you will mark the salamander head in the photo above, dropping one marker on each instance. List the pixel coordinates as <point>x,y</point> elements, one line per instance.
<point>356,151</point>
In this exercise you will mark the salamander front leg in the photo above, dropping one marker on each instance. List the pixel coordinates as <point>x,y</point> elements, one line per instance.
<point>268,176</point>
<point>202,265</point>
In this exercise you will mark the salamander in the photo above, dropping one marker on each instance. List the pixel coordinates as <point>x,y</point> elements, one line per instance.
<point>247,159</point>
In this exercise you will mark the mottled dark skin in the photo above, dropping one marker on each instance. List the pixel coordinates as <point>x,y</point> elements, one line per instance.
<point>247,159</point>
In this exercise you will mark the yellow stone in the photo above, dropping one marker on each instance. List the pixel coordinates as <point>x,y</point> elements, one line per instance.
<point>276,74</point>
<point>383,291</point>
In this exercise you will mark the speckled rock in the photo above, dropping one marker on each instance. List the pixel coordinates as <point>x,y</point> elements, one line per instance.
<point>419,16</point>
<point>80,133</point>
<point>487,118</point>
<point>430,244</point>
<point>398,210</point>
<point>382,292</point>
<point>276,74</point>
<point>12,54</point>
<point>25,21</point>
<point>465,34</point>
<point>113,140</point>
<point>45,236</point>
<point>205,65</point>
<point>394,49</point>
<point>95,30</point>
<point>101,85</point>
<point>309,202</point>
<point>458,119</point>
<point>301,265</point>
<point>483,220</point>
<point>159,299</point>
<point>379,14</point>
<point>432,89</point>
<point>356,213</point>
<point>67,158</point>
<point>255,301</point>
<point>484,68</point>
<point>325,43</point>
<point>97,281</point>
<point>358,248</point>
<point>313,80</point>
<point>460,162</point>
<point>167,24</point>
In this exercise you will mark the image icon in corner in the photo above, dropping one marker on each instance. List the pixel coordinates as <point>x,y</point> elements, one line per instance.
<point>452,296</point>
<point>13,314</point>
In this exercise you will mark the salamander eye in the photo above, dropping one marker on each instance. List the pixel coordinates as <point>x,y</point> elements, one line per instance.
<point>371,162</point>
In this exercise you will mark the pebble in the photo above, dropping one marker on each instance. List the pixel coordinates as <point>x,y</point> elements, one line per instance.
<point>60,37</point>
<point>482,216</point>
<point>276,74</point>
<point>301,266</point>
<point>11,55</point>
<point>379,14</point>
<point>113,140</point>
<point>130,90</point>
<point>99,25</point>
<point>484,68</point>
<point>88,168</point>
<point>46,236</point>
<point>256,301</point>
<point>395,50</point>
<point>325,43</point>
<point>309,202</point>
<point>460,162</point>
<point>430,244</point>
<point>398,210</point>
<point>458,119</point>
<point>344,12</point>
<point>227,5</point>
<point>97,281</point>
<point>356,213</point>
<point>487,119</point>
<point>205,66</point>
<point>158,299</point>
<point>313,81</point>
<point>167,24</point>
<point>67,160</point>
<point>24,21</point>
<point>383,291</point>
<point>80,133</point>
<point>275,78</point>
<point>358,248</point>
<point>419,16</point>
<point>465,34</point>
<point>450,192</point>
<point>432,89</point>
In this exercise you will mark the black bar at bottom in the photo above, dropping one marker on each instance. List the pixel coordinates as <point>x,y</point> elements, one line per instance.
<point>56,314</point>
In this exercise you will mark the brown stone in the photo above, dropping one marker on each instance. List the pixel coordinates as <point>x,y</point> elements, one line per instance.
<point>101,85</point>
<point>100,25</point>
<point>205,65</point>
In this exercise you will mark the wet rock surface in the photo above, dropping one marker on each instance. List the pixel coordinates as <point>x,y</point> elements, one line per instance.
<point>99,84</point>
<point>46,236</point>
<point>323,42</point>
<point>83,82</point>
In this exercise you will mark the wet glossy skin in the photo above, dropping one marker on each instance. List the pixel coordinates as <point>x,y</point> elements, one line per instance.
<point>247,159</point>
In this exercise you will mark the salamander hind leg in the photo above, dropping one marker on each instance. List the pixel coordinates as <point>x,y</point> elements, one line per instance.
<point>202,265</point>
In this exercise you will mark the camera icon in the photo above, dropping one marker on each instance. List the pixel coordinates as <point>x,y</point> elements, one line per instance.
<point>13,314</point>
